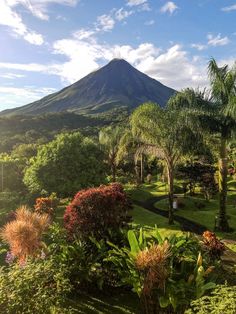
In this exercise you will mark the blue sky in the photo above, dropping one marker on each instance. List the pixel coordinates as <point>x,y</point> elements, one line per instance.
<point>46,45</point>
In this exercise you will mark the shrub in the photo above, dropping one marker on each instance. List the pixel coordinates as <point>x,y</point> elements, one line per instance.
<point>166,274</point>
<point>222,300</point>
<point>23,234</point>
<point>37,287</point>
<point>96,211</point>
<point>213,245</point>
<point>9,200</point>
<point>46,205</point>
<point>84,260</point>
<point>68,163</point>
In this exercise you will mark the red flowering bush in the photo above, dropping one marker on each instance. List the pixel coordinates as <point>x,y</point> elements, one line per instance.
<point>213,245</point>
<point>95,211</point>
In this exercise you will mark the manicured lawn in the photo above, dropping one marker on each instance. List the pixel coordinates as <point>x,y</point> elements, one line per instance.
<point>146,191</point>
<point>147,219</point>
<point>206,215</point>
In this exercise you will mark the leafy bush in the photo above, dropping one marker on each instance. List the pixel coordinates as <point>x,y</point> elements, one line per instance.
<point>221,300</point>
<point>96,211</point>
<point>46,205</point>
<point>37,287</point>
<point>85,261</point>
<point>23,234</point>
<point>213,245</point>
<point>9,200</point>
<point>65,165</point>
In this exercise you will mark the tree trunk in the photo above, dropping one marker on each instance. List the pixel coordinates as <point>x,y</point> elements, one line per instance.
<point>113,172</point>
<point>141,169</point>
<point>170,174</point>
<point>222,224</point>
<point>137,175</point>
<point>112,161</point>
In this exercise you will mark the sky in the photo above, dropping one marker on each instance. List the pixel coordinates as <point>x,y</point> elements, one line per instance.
<point>46,45</point>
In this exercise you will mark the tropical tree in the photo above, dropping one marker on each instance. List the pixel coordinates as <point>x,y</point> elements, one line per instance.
<point>130,149</point>
<point>165,136</point>
<point>11,173</point>
<point>109,138</point>
<point>67,164</point>
<point>215,113</point>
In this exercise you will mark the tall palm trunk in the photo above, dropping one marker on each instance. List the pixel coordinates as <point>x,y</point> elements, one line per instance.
<point>141,169</point>
<point>113,172</point>
<point>170,175</point>
<point>113,166</point>
<point>222,224</point>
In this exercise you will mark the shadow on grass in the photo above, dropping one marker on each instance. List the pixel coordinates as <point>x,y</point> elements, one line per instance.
<point>125,303</point>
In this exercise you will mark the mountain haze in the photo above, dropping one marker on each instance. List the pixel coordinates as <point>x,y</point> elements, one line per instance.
<point>118,84</point>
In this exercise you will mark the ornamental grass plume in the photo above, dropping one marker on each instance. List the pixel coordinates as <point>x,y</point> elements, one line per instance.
<point>24,234</point>
<point>152,262</point>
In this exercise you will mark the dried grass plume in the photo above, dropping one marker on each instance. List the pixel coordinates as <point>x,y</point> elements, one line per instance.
<point>24,234</point>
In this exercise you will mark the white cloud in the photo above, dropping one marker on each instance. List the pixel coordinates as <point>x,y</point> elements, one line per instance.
<point>144,7</point>
<point>82,58</point>
<point>229,8</point>
<point>149,23</point>
<point>105,23</point>
<point>11,76</point>
<point>212,41</point>
<point>122,14</point>
<point>34,38</point>
<point>9,18</point>
<point>199,47</point>
<point>173,67</point>
<point>170,7</point>
<point>217,40</point>
<point>39,8</point>
<point>132,3</point>
<point>29,67</point>
<point>83,34</point>
<point>11,97</point>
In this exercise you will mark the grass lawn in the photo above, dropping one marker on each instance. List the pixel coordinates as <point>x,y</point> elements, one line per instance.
<point>206,215</point>
<point>145,218</point>
<point>146,191</point>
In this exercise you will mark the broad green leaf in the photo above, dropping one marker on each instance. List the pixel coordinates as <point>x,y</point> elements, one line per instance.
<point>164,302</point>
<point>133,242</point>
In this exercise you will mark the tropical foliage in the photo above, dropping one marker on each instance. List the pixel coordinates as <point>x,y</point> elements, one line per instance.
<point>38,287</point>
<point>95,211</point>
<point>78,236</point>
<point>110,137</point>
<point>166,273</point>
<point>165,135</point>
<point>68,163</point>
<point>214,113</point>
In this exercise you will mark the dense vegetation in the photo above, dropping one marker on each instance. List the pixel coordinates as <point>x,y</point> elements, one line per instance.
<point>162,240</point>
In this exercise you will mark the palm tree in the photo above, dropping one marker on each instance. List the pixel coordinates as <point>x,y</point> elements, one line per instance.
<point>214,113</point>
<point>130,147</point>
<point>109,138</point>
<point>164,135</point>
